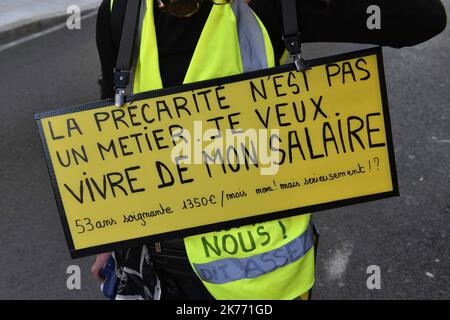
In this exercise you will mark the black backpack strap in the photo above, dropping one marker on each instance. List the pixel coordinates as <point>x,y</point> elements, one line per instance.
<point>124,60</point>
<point>291,35</point>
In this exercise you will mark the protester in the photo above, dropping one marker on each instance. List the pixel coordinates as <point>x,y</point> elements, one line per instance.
<point>174,51</point>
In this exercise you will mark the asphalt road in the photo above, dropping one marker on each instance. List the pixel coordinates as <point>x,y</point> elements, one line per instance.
<point>408,237</point>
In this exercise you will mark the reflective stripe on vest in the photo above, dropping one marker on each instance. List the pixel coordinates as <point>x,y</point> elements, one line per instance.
<point>265,261</point>
<point>234,41</point>
<point>232,269</point>
<point>251,38</point>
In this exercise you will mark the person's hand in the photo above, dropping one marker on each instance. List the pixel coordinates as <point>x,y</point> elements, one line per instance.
<point>100,262</point>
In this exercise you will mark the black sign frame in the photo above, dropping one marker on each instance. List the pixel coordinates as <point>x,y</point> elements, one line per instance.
<point>230,224</point>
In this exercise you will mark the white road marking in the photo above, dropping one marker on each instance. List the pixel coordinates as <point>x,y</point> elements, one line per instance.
<point>40,34</point>
<point>436,140</point>
<point>336,265</point>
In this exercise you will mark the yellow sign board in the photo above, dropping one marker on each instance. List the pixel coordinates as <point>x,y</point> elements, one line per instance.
<point>221,153</point>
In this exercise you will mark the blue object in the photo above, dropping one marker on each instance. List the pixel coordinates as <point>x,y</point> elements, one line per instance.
<point>109,286</point>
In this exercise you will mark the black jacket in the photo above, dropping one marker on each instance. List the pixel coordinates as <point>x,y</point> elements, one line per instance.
<point>403,23</point>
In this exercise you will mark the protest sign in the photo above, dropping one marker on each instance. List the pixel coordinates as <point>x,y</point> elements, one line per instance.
<point>221,153</point>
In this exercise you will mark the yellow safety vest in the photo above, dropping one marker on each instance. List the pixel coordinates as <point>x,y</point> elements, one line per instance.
<point>270,260</point>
